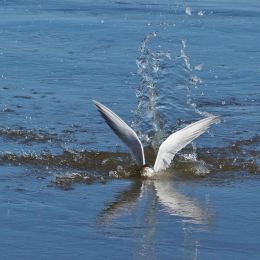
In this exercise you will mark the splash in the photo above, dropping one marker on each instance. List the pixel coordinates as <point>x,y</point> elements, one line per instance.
<point>193,81</point>
<point>148,119</point>
<point>165,80</point>
<point>72,166</point>
<point>188,10</point>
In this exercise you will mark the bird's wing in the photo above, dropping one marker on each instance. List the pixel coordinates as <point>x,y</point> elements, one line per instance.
<point>178,140</point>
<point>124,132</point>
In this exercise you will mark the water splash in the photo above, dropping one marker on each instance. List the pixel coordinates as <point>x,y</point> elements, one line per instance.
<point>193,81</point>
<point>148,120</point>
<point>73,166</point>
<point>188,10</point>
<point>165,80</point>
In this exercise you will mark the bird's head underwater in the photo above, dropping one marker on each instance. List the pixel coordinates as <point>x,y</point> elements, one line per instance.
<point>147,171</point>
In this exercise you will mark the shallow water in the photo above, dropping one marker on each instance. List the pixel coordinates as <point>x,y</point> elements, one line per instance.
<point>69,187</point>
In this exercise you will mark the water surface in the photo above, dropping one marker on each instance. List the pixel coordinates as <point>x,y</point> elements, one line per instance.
<point>68,186</point>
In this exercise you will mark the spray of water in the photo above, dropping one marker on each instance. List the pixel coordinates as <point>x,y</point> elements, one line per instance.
<point>153,93</point>
<point>193,81</point>
<point>148,120</point>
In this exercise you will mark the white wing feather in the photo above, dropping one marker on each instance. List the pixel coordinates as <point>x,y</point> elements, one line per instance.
<point>124,132</point>
<point>178,140</point>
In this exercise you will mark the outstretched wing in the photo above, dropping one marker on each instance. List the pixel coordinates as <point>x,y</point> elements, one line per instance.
<point>178,140</point>
<point>124,132</point>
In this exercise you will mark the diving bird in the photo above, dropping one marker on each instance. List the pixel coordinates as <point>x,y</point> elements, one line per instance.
<point>167,150</point>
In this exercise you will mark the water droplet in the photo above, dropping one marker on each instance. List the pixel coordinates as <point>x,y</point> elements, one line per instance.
<point>201,13</point>
<point>188,10</point>
<point>198,67</point>
<point>113,174</point>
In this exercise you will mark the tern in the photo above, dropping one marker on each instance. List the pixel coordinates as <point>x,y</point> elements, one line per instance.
<point>167,150</point>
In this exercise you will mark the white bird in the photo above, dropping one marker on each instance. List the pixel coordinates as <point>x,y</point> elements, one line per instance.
<point>174,143</point>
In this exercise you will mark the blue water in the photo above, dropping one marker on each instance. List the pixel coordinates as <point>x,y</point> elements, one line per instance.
<point>68,187</point>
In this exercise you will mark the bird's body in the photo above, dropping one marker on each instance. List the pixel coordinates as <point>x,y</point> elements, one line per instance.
<point>174,143</point>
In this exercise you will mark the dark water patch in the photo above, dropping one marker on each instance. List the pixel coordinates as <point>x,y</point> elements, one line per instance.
<point>237,13</point>
<point>35,92</point>
<point>8,110</point>
<point>23,97</point>
<point>217,103</point>
<point>255,141</point>
<point>66,182</point>
<point>20,189</point>
<point>26,136</point>
<point>103,161</point>
<point>242,155</point>
<point>229,101</point>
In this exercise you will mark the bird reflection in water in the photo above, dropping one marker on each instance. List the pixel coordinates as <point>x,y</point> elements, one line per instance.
<point>143,200</point>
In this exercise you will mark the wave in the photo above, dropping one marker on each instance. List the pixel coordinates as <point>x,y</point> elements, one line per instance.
<point>72,166</point>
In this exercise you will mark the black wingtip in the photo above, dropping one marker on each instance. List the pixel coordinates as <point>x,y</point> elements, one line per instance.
<point>97,104</point>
